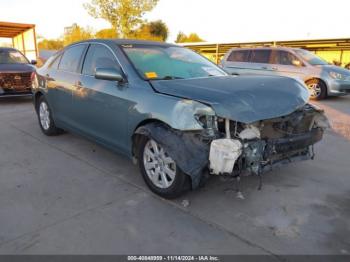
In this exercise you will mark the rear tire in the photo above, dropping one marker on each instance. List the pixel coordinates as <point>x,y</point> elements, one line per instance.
<point>318,90</point>
<point>160,171</point>
<point>46,121</point>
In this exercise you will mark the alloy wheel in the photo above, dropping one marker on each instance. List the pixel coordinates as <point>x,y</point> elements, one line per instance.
<point>44,115</point>
<point>159,167</point>
<point>315,90</point>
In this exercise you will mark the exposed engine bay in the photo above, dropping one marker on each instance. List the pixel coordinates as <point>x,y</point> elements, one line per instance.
<point>230,148</point>
<point>258,147</point>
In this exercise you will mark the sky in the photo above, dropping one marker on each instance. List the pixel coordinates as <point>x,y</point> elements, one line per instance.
<point>214,20</point>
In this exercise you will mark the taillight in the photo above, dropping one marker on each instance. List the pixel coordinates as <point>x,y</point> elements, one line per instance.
<point>34,80</point>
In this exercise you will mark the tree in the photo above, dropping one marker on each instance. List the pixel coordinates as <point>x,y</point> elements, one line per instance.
<point>159,28</point>
<point>191,38</point>
<point>143,33</point>
<point>123,15</point>
<point>155,31</point>
<point>77,33</point>
<point>106,33</point>
<point>180,37</point>
<point>50,44</point>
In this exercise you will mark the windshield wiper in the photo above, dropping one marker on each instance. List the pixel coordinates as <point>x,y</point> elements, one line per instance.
<point>169,78</point>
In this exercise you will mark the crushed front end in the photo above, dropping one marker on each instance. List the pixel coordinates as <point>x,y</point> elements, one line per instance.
<point>231,148</point>
<point>259,147</point>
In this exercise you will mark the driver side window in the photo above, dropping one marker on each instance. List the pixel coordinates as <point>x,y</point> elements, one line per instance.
<point>99,56</point>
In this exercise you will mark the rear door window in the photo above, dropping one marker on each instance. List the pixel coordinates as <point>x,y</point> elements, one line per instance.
<point>286,58</point>
<point>55,62</point>
<point>260,56</point>
<point>71,59</point>
<point>241,56</point>
<point>99,56</point>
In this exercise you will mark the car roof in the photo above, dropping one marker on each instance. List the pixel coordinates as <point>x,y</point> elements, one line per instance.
<point>125,42</point>
<point>266,48</point>
<point>8,49</point>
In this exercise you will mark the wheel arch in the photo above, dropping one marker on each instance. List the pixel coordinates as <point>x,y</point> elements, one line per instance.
<point>135,138</point>
<point>36,97</point>
<point>180,145</point>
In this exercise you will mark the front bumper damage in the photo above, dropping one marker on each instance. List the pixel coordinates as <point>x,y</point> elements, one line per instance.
<point>264,145</point>
<point>268,144</point>
<point>233,148</point>
<point>259,156</point>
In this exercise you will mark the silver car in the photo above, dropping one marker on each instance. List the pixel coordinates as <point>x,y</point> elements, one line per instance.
<point>321,78</point>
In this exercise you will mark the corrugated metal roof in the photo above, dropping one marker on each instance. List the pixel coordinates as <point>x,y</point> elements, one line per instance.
<point>314,45</point>
<point>10,30</point>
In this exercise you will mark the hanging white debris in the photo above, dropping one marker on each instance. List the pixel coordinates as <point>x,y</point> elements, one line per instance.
<point>250,133</point>
<point>223,155</point>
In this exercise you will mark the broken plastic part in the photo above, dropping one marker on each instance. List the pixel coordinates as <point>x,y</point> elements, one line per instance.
<point>185,115</point>
<point>223,155</point>
<point>321,121</point>
<point>227,128</point>
<point>250,133</point>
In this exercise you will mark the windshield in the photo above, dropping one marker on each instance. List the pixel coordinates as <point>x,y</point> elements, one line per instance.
<point>169,62</point>
<point>311,58</point>
<point>12,57</point>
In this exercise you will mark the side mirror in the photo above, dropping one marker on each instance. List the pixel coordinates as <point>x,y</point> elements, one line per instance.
<point>33,62</point>
<point>109,74</point>
<point>297,63</point>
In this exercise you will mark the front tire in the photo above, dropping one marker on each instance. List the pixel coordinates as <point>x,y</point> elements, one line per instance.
<point>160,171</point>
<point>318,90</point>
<point>46,122</point>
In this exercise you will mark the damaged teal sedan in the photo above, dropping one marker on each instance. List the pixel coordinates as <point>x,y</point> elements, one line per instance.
<point>176,114</point>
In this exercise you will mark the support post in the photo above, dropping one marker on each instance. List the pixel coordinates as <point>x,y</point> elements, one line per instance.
<point>341,57</point>
<point>35,44</point>
<point>217,54</point>
<point>23,44</point>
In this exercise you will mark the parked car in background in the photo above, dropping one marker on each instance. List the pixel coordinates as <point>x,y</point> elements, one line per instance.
<point>321,78</point>
<point>16,73</point>
<point>179,116</point>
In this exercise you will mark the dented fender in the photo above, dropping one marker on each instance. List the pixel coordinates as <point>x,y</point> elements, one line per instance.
<point>178,113</point>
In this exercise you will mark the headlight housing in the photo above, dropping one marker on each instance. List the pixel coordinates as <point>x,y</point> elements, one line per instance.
<point>192,115</point>
<point>207,121</point>
<point>338,76</point>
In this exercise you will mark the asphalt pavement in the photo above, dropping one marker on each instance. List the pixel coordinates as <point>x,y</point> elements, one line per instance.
<point>67,195</point>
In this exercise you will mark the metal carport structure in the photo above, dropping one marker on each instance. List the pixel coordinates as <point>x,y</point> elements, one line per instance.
<point>23,37</point>
<point>329,49</point>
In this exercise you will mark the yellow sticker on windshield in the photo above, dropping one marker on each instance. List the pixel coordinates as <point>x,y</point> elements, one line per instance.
<point>151,75</point>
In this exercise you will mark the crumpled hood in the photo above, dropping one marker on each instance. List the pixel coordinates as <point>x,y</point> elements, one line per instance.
<point>16,68</point>
<point>245,99</point>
